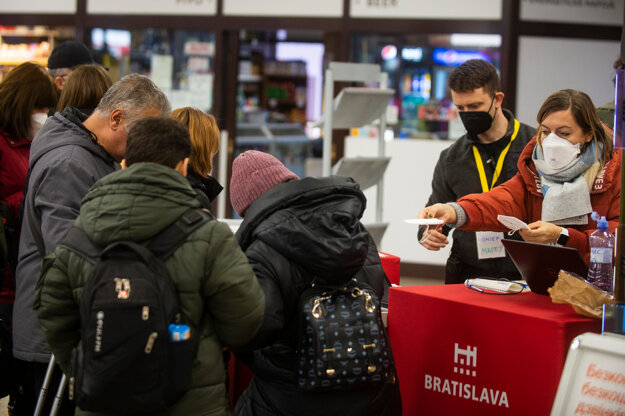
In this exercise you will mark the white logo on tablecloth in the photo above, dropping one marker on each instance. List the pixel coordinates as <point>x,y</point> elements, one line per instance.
<point>465,364</point>
<point>466,358</point>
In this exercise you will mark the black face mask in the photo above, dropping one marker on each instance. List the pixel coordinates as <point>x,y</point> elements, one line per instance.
<point>477,122</point>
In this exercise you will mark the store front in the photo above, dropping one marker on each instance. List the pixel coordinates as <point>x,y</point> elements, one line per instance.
<point>180,62</point>
<point>279,85</point>
<point>418,68</point>
<point>29,43</point>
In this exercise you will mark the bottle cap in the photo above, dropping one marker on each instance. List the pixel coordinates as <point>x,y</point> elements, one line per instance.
<point>602,223</point>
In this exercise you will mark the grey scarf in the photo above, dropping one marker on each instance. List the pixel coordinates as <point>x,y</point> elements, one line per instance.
<point>566,197</point>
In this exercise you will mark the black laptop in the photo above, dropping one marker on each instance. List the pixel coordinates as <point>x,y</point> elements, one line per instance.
<point>539,264</point>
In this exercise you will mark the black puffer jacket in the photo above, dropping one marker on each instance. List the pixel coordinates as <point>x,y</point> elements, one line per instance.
<point>296,231</point>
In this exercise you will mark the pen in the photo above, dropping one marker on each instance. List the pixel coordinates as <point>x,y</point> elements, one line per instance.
<point>470,286</point>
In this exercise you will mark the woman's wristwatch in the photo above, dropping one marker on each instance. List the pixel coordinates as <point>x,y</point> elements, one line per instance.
<point>563,237</point>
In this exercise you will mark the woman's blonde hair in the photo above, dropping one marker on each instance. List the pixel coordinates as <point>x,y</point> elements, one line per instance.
<point>85,87</point>
<point>204,134</point>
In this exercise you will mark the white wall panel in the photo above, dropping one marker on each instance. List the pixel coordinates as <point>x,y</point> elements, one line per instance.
<point>546,65</point>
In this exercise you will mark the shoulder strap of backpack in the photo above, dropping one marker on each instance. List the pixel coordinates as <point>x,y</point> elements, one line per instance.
<point>77,241</point>
<point>172,237</point>
<point>163,245</point>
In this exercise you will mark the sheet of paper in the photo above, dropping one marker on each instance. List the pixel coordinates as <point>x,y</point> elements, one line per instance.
<point>424,221</point>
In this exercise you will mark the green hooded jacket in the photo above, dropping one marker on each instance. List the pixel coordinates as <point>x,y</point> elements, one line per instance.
<point>218,291</point>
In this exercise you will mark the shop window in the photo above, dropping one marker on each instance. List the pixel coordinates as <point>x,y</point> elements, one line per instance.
<point>20,44</point>
<point>418,68</point>
<point>280,82</point>
<point>180,62</point>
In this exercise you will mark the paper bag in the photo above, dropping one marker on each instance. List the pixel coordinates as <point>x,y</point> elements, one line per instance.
<point>586,299</point>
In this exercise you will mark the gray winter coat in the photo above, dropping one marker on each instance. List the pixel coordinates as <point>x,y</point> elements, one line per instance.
<point>65,160</point>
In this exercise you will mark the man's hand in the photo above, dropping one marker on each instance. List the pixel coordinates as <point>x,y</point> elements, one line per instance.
<point>433,239</point>
<point>541,232</point>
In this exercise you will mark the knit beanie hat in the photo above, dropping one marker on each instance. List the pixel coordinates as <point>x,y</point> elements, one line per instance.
<point>253,174</point>
<point>69,54</point>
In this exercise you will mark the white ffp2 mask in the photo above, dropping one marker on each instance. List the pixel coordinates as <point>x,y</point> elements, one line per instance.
<point>37,121</point>
<point>559,152</point>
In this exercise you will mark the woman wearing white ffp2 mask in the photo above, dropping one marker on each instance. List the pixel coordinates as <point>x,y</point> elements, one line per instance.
<point>558,152</point>
<point>567,171</point>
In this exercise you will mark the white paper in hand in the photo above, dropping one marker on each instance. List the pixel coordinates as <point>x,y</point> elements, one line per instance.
<point>513,223</point>
<point>424,221</point>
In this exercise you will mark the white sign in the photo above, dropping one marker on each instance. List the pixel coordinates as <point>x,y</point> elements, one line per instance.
<point>593,379</point>
<point>158,7</point>
<point>179,98</point>
<point>201,91</point>
<point>427,9</point>
<point>38,6</point>
<point>489,245</point>
<point>597,12</point>
<point>199,48</point>
<point>162,70</point>
<point>306,8</point>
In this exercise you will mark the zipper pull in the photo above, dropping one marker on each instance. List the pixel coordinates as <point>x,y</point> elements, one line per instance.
<point>145,313</point>
<point>70,393</point>
<point>150,343</point>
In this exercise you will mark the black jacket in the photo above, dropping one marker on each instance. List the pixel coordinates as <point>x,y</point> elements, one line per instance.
<point>297,231</point>
<point>455,176</point>
<point>206,188</point>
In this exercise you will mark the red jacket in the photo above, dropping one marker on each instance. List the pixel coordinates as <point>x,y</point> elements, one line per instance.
<point>13,168</point>
<point>522,197</point>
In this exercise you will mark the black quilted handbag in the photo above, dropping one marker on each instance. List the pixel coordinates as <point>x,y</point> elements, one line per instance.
<point>342,342</point>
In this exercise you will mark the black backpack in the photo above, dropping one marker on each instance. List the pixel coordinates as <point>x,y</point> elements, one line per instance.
<point>342,340</point>
<point>125,362</point>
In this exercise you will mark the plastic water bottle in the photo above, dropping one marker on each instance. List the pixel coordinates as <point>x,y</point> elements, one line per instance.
<point>601,250</point>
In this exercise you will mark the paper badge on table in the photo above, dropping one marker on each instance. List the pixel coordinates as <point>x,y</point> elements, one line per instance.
<point>489,245</point>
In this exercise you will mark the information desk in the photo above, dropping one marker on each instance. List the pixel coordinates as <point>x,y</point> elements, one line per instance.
<point>458,351</point>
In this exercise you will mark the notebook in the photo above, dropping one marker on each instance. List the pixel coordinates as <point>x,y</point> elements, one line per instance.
<point>539,264</point>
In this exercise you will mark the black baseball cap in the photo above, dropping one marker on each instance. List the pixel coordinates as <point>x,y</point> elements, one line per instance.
<point>69,54</point>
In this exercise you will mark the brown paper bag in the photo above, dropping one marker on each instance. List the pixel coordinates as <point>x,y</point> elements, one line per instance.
<point>586,299</point>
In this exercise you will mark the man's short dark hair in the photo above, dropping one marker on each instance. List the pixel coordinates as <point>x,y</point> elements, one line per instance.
<point>159,140</point>
<point>473,74</point>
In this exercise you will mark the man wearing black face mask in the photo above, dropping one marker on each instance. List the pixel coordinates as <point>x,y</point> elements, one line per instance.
<point>484,157</point>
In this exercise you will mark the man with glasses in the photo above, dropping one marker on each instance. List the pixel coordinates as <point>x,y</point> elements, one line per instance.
<point>482,158</point>
<point>64,58</point>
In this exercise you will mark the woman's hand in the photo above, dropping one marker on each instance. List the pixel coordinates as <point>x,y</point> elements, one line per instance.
<point>433,239</point>
<point>443,212</point>
<point>541,232</point>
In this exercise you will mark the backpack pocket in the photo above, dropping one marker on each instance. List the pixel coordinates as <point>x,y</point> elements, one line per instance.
<point>180,363</point>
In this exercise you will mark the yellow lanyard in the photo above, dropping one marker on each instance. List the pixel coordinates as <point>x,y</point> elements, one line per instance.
<point>499,167</point>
